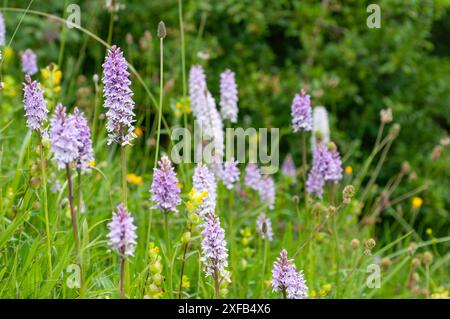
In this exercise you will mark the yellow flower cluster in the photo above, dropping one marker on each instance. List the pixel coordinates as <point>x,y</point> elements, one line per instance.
<point>195,200</point>
<point>51,80</point>
<point>153,288</point>
<point>248,251</point>
<point>183,106</point>
<point>326,288</point>
<point>134,179</point>
<point>185,283</point>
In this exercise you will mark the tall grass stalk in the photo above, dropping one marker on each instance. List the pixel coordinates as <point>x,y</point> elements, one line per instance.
<point>74,218</point>
<point>123,161</point>
<point>161,93</point>
<point>44,197</point>
<point>183,263</point>
<point>168,252</point>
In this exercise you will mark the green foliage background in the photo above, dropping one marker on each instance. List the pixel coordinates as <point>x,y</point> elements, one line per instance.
<point>278,47</point>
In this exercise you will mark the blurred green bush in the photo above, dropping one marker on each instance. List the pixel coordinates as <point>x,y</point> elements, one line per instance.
<point>278,47</point>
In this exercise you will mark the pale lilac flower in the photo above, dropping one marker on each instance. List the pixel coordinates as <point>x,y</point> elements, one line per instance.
<point>286,279</point>
<point>205,112</point>
<point>2,30</point>
<point>29,62</point>
<point>288,167</point>
<point>204,180</point>
<point>321,126</point>
<point>34,104</point>
<point>320,166</point>
<point>122,232</point>
<point>230,173</point>
<point>264,227</point>
<point>301,112</point>
<point>252,176</point>
<point>85,152</point>
<point>334,171</point>
<point>214,247</point>
<point>266,190</point>
<point>326,167</point>
<point>63,137</point>
<point>213,128</point>
<point>314,183</point>
<point>228,96</point>
<point>197,92</point>
<point>165,190</point>
<point>118,98</point>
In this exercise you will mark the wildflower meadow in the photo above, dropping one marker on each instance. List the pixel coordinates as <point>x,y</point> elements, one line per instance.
<point>194,149</point>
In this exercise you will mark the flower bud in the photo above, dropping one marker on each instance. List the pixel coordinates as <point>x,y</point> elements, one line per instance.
<point>194,218</point>
<point>354,243</point>
<point>386,262</point>
<point>395,129</point>
<point>37,205</point>
<point>427,258</point>
<point>35,182</point>
<point>370,243</point>
<point>348,193</point>
<point>406,168</point>
<point>412,248</point>
<point>156,267</point>
<point>415,262</point>
<point>157,279</point>
<point>186,237</point>
<point>386,116</point>
<point>161,30</point>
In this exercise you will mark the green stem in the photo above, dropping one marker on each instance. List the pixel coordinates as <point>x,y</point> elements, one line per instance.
<point>266,247</point>
<point>74,223</point>
<point>63,37</point>
<point>78,191</point>
<point>96,111</point>
<point>216,284</point>
<point>304,167</point>
<point>161,89</point>
<point>45,199</point>
<point>183,52</point>
<point>123,156</point>
<point>111,27</point>
<point>337,253</point>
<point>183,263</point>
<point>168,252</point>
<point>122,276</point>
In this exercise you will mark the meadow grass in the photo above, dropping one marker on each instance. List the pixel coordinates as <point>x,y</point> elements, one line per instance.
<point>331,241</point>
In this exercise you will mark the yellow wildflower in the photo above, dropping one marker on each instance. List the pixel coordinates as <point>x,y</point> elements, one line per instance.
<point>327,287</point>
<point>45,73</point>
<point>182,106</point>
<point>417,202</point>
<point>139,132</point>
<point>348,170</point>
<point>429,231</point>
<point>134,179</point>
<point>8,53</point>
<point>57,75</point>
<point>195,199</point>
<point>92,163</point>
<point>185,282</point>
<point>440,293</point>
